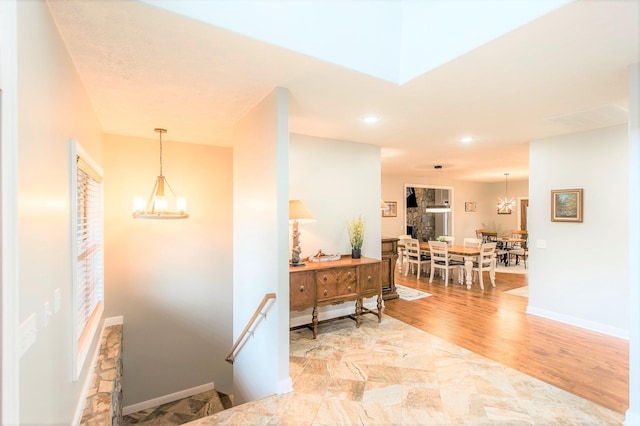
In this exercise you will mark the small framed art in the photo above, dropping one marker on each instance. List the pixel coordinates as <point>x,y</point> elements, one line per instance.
<point>391,210</point>
<point>470,206</point>
<point>566,205</point>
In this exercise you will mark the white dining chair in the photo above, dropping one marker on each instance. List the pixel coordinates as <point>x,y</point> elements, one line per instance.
<point>440,259</point>
<point>486,262</point>
<point>402,251</point>
<point>414,256</point>
<point>472,242</point>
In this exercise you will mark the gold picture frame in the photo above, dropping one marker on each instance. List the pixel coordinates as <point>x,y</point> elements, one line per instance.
<point>391,210</point>
<point>470,206</point>
<point>566,205</point>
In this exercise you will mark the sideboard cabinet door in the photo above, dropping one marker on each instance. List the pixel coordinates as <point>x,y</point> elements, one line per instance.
<point>302,291</point>
<point>369,280</point>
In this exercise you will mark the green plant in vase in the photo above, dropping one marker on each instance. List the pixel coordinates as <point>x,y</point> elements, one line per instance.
<point>355,228</point>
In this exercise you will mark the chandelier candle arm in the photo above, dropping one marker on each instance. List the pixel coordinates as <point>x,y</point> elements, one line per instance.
<point>157,205</point>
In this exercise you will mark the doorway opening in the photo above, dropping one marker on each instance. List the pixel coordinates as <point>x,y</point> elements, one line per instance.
<point>428,212</point>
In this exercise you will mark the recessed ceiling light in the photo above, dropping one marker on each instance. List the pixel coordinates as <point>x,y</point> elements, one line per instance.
<point>466,139</point>
<point>370,119</point>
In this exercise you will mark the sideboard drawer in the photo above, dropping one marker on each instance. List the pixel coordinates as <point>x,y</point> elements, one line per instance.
<point>336,283</point>
<point>302,291</point>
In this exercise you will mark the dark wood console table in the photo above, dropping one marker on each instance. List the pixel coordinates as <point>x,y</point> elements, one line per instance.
<point>389,258</point>
<point>331,283</point>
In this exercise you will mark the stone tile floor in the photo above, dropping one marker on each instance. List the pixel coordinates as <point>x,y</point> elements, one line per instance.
<point>181,411</point>
<point>394,374</point>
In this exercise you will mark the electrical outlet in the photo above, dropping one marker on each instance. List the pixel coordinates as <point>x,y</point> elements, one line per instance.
<point>56,300</point>
<point>27,334</point>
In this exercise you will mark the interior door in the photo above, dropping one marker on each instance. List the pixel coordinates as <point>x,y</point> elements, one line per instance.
<point>524,211</point>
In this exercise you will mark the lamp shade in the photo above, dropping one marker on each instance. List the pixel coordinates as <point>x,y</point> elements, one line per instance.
<point>299,212</point>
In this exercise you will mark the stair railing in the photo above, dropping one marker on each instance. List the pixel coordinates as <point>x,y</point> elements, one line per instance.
<point>258,313</point>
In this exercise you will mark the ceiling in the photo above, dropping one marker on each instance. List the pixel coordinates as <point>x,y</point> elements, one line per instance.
<point>563,72</point>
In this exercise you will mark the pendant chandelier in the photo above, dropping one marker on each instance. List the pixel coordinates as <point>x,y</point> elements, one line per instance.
<point>506,204</point>
<point>157,206</point>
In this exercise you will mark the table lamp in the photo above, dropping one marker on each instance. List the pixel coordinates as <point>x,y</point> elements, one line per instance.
<point>298,213</point>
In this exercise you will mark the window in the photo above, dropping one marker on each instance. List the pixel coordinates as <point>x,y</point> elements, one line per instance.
<point>87,255</point>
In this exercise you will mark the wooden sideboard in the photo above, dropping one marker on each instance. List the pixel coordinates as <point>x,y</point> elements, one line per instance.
<point>331,283</point>
<point>389,258</point>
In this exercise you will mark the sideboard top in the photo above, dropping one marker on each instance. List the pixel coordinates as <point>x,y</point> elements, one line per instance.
<point>345,260</point>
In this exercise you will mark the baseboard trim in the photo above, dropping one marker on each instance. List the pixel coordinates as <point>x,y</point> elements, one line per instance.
<point>166,398</point>
<point>285,386</point>
<point>578,322</point>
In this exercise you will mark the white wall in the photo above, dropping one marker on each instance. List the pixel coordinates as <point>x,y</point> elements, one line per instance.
<point>170,279</point>
<point>52,108</point>
<point>260,265</point>
<point>581,277</point>
<point>337,181</point>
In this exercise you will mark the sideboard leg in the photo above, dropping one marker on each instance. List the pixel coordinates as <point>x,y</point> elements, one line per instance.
<point>358,311</point>
<point>314,321</point>
<point>379,308</point>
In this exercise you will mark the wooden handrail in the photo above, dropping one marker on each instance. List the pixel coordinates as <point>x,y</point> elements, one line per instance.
<point>230,358</point>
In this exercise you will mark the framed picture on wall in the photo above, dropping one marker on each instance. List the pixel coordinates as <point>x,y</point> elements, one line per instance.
<point>566,205</point>
<point>391,210</point>
<point>470,206</point>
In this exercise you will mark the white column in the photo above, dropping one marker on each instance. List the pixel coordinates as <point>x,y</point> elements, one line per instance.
<point>9,404</point>
<point>633,413</point>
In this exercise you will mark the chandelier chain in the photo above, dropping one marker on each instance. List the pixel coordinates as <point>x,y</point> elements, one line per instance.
<point>160,153</point>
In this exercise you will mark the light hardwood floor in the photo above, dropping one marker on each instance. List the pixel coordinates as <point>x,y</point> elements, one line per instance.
<point>494,324</point>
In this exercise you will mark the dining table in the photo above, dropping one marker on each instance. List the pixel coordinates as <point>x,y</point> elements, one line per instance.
<point>469,254</point>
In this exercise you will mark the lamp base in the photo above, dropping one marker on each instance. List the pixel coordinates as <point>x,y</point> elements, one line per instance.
<point>300,263</point>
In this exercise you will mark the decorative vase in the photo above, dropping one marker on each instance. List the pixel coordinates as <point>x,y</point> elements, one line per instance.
<point>355,253</point>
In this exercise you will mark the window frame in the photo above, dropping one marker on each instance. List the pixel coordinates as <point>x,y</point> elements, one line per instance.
<point>82,340</point>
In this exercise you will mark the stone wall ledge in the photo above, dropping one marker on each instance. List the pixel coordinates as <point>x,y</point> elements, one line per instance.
<point>103,405</point>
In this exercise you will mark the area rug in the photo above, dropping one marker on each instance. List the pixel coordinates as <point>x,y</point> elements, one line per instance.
<point>520,291</point>
<point>408,293</point>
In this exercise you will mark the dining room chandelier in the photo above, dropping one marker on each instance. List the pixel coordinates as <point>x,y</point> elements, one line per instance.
<point>506,204</point>
<point>157,206</point>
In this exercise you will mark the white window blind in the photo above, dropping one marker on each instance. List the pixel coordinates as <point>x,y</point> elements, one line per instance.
<point>88,286</point>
